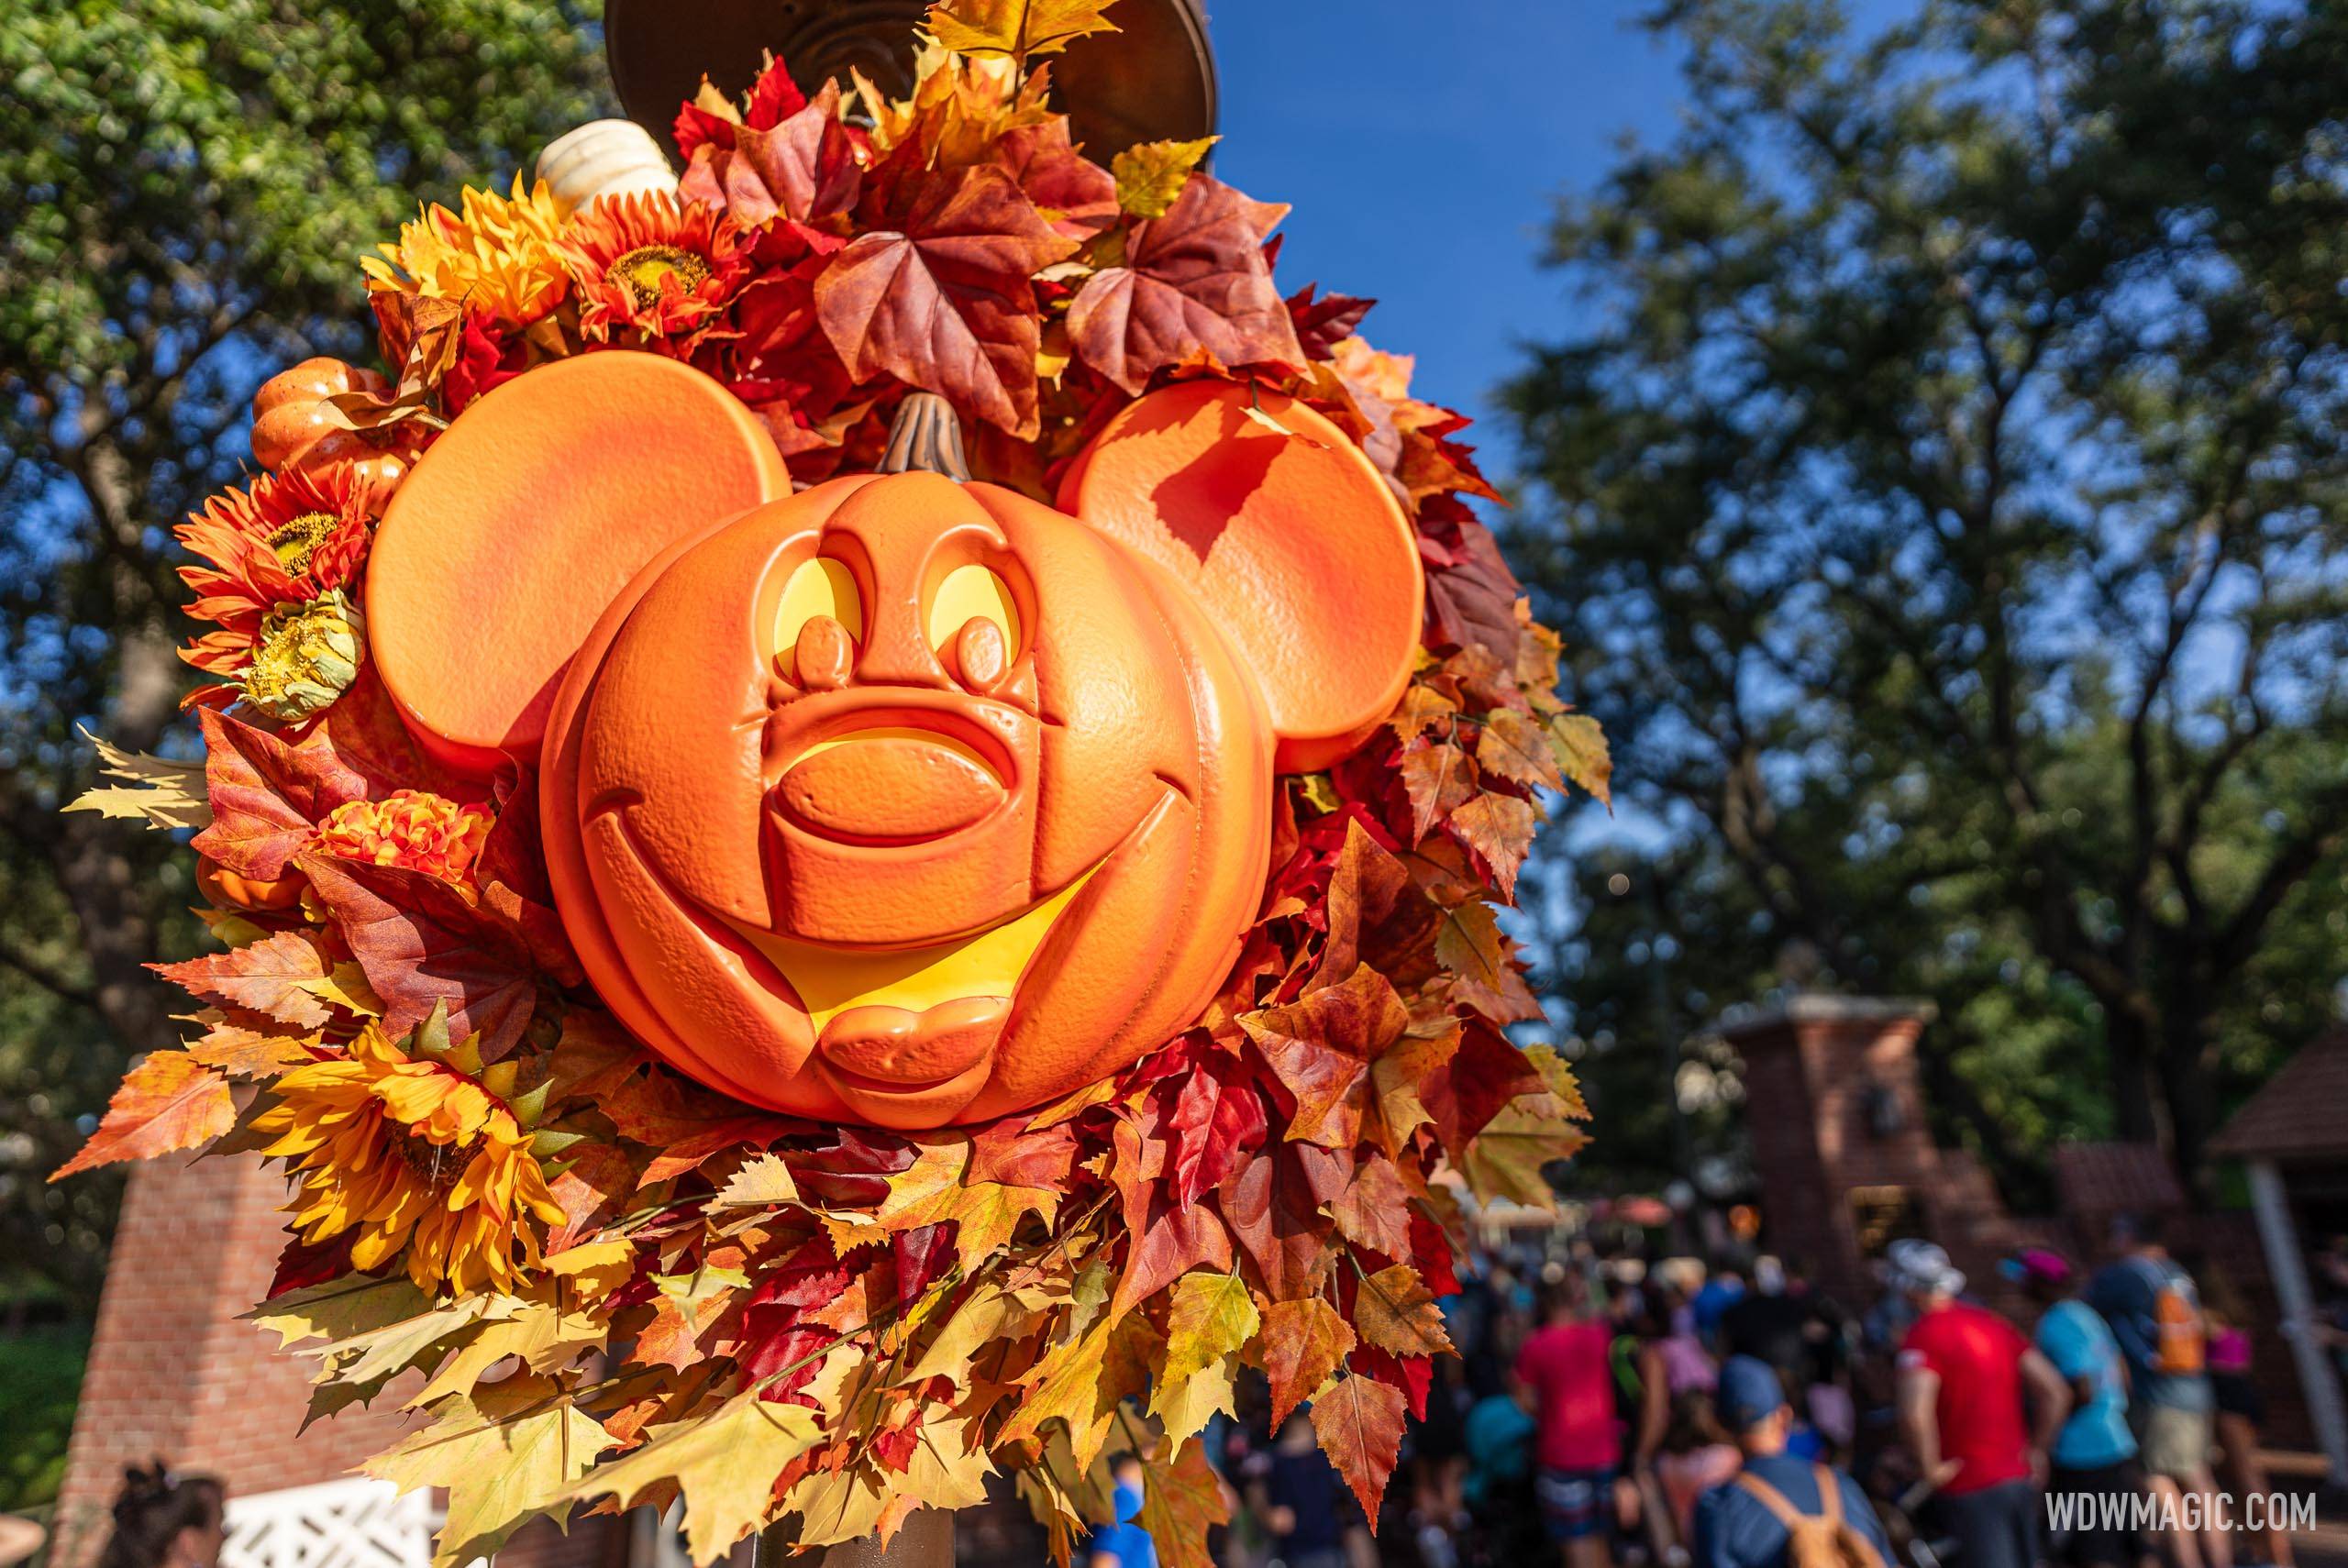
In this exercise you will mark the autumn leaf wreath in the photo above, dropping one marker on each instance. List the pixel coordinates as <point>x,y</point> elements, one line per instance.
<point>616,1283</point>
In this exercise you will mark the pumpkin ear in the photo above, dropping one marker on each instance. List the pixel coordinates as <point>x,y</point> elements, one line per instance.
<point>1285,533</point>
<point>527,517</point>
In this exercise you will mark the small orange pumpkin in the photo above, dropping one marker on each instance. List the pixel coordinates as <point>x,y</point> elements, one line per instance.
<point>902,799</point>
<point>294,426</point>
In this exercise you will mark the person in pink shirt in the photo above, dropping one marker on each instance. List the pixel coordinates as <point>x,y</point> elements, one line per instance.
<point>1565,1380</point>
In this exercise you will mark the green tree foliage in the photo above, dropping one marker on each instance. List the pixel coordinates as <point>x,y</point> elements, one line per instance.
<point>184,191</point>
<point>1950,524</point>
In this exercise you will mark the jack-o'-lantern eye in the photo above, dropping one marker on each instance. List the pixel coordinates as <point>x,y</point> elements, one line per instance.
<point>970,592</point>
<point>821,586</point>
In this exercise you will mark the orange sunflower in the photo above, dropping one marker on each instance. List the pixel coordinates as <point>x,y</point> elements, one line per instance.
<point>411,1153</point>
<point>652,262</point>
<point>291,538</point>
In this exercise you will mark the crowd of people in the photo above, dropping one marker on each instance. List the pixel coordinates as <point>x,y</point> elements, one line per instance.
<point>1735,1418</point>
<point>1621,1416</point>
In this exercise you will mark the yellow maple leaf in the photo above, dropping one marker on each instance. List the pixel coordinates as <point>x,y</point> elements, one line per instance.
<point>833,1505</point>
<point>1068,1389</point>
<point>948,1467</point>
<point>990,1313</point>
<point>505,1457</point>
<point>1208,1316</point>
<point>340,1307</point>
<point>540,1333</point>
<point>1396,1311</point>
<point>1185,1407</point>
<point>763,1182</point>
<point>1150,174</point>
<point>724,1464</point>
<point>1504,1160</point>
<point>1016,27</point>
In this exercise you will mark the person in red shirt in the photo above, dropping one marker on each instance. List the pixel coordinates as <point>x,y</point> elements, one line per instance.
<point>1965,1377</point>
<point>1565,1380</point>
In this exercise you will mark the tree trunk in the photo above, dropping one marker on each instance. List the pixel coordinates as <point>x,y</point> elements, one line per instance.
<point>2129,1047</point>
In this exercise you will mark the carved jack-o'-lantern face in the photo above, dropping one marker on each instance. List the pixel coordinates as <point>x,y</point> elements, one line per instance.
<point>902,801</point>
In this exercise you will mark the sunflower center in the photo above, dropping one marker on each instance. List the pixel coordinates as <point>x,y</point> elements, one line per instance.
<point>296,539</point>
<point>436,1166</point>
<point>641,270</point>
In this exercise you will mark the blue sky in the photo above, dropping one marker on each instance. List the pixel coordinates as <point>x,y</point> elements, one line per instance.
<point>1422,145</point>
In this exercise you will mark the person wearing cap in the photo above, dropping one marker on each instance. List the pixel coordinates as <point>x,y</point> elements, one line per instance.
<point>1736,1524</point>
<point>1967,1380</point>
<point>2095,1454</point>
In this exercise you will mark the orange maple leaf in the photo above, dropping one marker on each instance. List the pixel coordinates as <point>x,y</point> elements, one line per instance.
<point>168,1101</point>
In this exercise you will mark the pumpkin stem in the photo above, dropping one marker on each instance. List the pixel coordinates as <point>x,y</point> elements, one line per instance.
<point>926,435</point>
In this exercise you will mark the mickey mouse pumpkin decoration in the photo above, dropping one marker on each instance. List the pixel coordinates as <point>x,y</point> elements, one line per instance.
<point>902,800</point>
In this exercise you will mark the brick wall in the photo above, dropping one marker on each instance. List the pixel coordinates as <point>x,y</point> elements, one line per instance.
<point>174,1373</point>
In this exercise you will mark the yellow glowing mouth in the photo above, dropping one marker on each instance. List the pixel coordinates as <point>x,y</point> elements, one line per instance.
<point>829,980</point>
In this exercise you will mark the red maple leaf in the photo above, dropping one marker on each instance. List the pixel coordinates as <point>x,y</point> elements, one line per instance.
<point>1215,1122</point>
<point>1076,195</point>
<point>1194,281</point>
<point>1168,1240</point>
<point>1471,597</point>
<point>1320,324</point>
<point>1320,1049</point>
<point>267,796</point>
<point>1359,1423</point>
<point>802,168</point>
<point>778,1339</point>
<point>943,302</point>
<point>421,942</point>
<point>1482,1075</point>
<point>1009,1153</point>
<point>1273,1206</point>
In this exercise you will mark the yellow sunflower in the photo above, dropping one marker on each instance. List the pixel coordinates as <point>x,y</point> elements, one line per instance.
<point>497,255</point>
<point>411,1153</point>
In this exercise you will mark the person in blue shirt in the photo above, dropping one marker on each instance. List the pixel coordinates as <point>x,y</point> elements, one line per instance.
<point>1736,1528</point>
<point>2094,1455</point>
<point>1123,1544</point>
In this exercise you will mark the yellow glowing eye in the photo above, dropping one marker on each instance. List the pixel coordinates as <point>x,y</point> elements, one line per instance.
<point>971,592</point>
<point>818,587</point>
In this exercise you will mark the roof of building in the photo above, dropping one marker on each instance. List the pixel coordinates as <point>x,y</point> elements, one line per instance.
<point>2111,1178</point>
<point>2301,1114</point>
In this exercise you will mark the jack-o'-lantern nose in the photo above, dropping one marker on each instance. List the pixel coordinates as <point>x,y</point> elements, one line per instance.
<point>824,656</point>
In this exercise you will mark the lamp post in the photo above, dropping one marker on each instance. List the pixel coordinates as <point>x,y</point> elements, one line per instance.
<point>1152,79</point>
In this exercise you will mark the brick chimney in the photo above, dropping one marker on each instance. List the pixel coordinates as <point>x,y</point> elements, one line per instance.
<point>1842,1152</point>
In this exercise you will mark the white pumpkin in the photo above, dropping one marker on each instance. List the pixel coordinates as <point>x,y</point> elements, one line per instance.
<point>603,157</point>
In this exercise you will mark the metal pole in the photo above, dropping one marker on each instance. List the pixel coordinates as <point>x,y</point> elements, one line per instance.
<point>2271,1202</point>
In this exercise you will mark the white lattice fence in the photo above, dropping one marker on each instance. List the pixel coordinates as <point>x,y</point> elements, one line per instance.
<point>358,1523</point>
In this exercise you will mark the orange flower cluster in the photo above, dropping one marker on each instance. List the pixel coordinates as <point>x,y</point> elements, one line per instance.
<point>414,828</point>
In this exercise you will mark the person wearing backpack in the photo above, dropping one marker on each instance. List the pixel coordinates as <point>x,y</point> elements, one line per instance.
<point>1780,1511</point>
<point>2156,1314</point>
